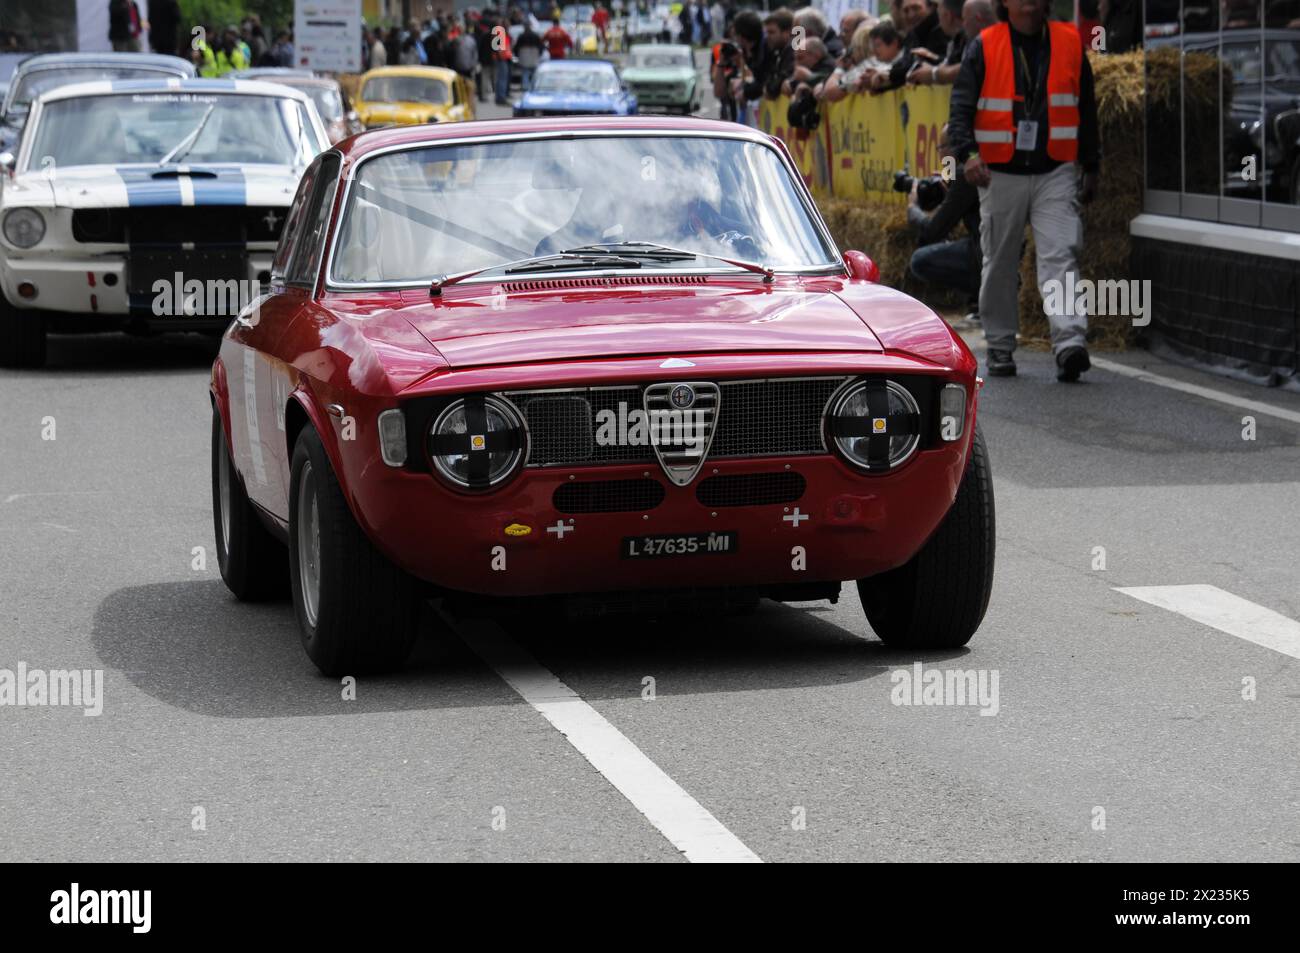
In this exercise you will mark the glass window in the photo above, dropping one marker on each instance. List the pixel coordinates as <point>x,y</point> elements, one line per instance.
<point>173,127</point>
<point>1281,106</point>
<point>423,212</point>
<point>1202,104</point>
<point>1243,128</point>
<point>315,224</point>
<point>1163,96</point>
<point>293,225</point>
<point>405,89</point>
<point>43,80</point>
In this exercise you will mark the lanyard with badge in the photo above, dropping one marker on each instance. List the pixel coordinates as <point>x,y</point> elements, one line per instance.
<point>1027,129</point>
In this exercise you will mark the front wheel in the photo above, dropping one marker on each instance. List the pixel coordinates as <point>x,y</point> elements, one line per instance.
<point>937,599</point>
<point>22,336</point>
<point>357,612</point>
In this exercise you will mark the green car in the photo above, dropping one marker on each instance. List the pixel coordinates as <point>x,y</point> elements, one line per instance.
<point>663,76</point>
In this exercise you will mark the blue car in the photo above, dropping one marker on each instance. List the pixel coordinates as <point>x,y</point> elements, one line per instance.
<point>576,88</point>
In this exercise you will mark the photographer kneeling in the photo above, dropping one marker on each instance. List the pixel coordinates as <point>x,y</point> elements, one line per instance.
<point>934,208</point>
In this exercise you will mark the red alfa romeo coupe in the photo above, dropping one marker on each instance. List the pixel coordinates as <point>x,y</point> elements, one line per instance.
<point>613,360</point>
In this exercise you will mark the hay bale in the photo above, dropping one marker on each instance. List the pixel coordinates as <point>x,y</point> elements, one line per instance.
<point>1132,92</point>
<point>881,230</point>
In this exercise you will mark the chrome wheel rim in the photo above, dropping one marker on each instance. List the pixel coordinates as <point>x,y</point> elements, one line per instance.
<point>308,534</point>
<point>223,494</point>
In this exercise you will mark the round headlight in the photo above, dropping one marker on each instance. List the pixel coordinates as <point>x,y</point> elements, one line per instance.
<point>875,424</point>
<point>478,442</point>
<point>24,227</point>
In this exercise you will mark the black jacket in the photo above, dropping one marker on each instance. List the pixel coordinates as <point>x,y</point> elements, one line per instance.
<point>961,203</point>
<point>759,63</point>
<point>966,92</point>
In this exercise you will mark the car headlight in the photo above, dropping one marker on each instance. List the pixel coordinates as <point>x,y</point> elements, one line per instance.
<point>875,424</point>
<point>24,227</point>
<point>478,442</point>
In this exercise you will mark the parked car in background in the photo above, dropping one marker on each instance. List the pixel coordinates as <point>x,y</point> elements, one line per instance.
<point>411,95</point>
<point>572,87</point>
<point>47,71</point>
<point>146,205</point>
<point>663,76</point>
<point>330,98</point>
<point>489,365</point>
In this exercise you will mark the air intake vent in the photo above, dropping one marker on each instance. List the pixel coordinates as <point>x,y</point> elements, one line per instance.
<point>609,496</point>
<point>751,489</point>
<point>548,284</point>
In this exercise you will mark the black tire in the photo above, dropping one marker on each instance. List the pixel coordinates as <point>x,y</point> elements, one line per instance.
<point>367,611</point>
<point>22,336</point>
<point>938,599</point>
<point>254,564</point>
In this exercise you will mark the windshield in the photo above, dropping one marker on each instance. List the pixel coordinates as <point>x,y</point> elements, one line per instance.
<point>659,58</point>
<point>121,129</point>
<point>406,89</point>
<point>327,99</point>
<point>419,213</point>
<point>42,80</point>
<point>562,79</point>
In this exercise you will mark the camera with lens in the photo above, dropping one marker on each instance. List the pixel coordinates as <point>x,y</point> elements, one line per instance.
<point>929,190</point>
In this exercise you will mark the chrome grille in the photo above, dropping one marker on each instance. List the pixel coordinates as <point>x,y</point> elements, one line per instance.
<point>770,417</point>
<point>682,460</point>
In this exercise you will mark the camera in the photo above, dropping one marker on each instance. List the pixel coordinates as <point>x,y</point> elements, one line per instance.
<point>729,50</point>
<point>929,191</point>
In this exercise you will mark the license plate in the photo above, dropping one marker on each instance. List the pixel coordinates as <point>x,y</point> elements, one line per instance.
<point>680,544</point>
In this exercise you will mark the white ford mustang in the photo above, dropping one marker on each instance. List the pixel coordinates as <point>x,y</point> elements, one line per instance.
<point>148,204</point>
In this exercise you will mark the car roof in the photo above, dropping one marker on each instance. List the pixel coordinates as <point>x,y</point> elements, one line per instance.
<point>247,87</point>
<point>431,72</point>
<point>568,63</point>
<point>664,47</point>
<point>158,61</point>
<point>257,72</point>
<point>396,136</point>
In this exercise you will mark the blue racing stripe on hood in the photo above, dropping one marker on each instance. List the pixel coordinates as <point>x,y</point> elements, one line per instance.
<point>227,188</point>
<point>142,189</point>
<point>147,186</point>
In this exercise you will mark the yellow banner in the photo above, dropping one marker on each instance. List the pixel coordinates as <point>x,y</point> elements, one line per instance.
<point>863,140</point>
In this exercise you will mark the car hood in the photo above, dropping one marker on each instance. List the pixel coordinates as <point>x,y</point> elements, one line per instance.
<point>402,113</point>
<point>659,74</point>
<point>564,325</point>
<point>584,101</point>
<point>106,186</point>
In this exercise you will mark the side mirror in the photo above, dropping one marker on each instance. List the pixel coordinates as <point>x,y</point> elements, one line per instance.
<point>7,161</point>
<point>861,267</point>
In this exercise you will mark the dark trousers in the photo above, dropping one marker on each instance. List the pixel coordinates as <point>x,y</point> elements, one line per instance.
<point>948,265</point>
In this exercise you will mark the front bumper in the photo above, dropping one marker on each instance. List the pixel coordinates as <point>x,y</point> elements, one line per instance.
<point>99,285</point>
<point>847,526</point>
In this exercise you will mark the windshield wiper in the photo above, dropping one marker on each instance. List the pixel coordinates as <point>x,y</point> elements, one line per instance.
<point>185,144</point>
<point>653,251</point>
<point>557,262</point>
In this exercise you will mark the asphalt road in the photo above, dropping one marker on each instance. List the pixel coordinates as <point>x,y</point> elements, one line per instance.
<point>1120,730</point>
<point>1104,701</point>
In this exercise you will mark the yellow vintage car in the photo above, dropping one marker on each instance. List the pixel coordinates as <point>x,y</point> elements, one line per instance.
<point>410,95</point>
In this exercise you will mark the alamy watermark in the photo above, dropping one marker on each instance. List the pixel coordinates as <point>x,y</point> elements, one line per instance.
<point>634,427</point>
<point>952,687</point>
<point>35,687</point>
<point>1085,297</point>
<point>178,297</point>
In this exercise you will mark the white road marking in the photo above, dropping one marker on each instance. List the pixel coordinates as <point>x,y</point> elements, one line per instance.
<point>678,816</point>
<point>1221,610</point>
<point>1209,393</point>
